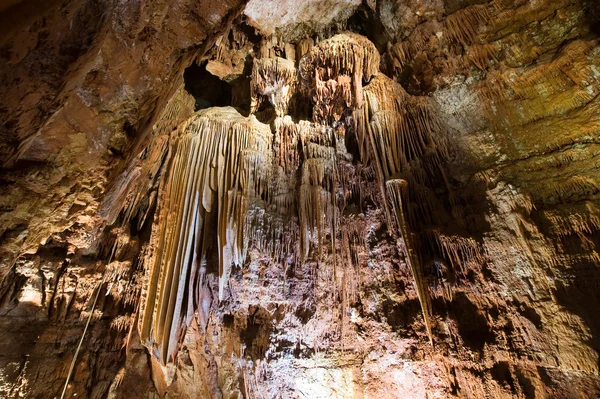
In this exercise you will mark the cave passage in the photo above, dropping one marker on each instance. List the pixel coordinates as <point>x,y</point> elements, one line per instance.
<point>207,89</point>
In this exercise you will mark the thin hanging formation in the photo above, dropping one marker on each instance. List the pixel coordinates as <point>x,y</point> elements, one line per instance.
<point>214,168</point>
<point>333,73</point>
<point>283,187</point>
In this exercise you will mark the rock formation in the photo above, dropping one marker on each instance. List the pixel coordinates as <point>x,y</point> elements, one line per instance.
<point>321,199</point>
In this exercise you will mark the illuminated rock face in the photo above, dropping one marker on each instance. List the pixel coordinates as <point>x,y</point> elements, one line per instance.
<point>288,16</point>
<point>397,199</point>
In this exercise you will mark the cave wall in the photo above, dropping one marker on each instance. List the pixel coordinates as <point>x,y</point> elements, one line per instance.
<point>93,97</point>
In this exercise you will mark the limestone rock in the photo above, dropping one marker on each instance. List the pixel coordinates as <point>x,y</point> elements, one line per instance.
<point>329,198</point>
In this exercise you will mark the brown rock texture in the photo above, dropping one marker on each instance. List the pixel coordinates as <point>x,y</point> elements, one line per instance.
<point>320,199</point>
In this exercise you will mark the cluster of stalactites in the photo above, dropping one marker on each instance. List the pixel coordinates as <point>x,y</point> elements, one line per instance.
<point>274,79</point>
<point>253,183</point>
<point>461,27</point>
<point>218,161</point>
<point>318,182</point>
<point>403,140</point>
<point>271,224</point>
<point>285,144</point>
<point>381,94</point>
<point>400,135</point>
<point>303,179</point>
<point>316,205</point>
<point>303,175</point>
<point>142,175</point>
<point>334,71</point>
<point>408,122</point>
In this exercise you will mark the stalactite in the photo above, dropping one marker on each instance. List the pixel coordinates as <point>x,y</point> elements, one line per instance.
<point>273,78</point>
<point>401,135</point>
<point>403,138</point>
<point>121,323</point>
<point>567,81</point>
<point>317,209</point>
<point>482,55</point>
<point>286,144</point>
<point>143,175</point>
<point>401,53</point>
<point>460,251</point>
<point>275,233</point>
<point>459,28</point>
<point>118,276</point>
<point>395,189</point>
<point>217,163</point>
<point>563,223</point>
<point>462,25</point>
<point>303,47</point>
<point>336,67</point>
<point>400,140</point>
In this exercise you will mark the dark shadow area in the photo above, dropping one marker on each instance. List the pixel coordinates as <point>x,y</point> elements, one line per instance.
<point>501,373</point>
<point>526,385</point>
<point>578,281</point>
<point>207,89</point>
<point>592,15</point>
<point>366,22</point>
<point>530,314</point>
<point>417,78</point>
<point>9,291</point>
<point>228,320</point>
<point>472,324</point>
<point>304,313</point>
<point>240,94</point>
<point>266,113</point>
<point>454,5</point>
<point>581,296</point>
<point>401,315</point>
<point>256,335</point>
